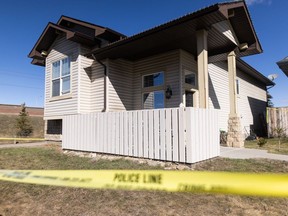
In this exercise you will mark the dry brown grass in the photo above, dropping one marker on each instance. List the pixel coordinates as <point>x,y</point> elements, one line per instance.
<point>7,126</point>
<point>26,199</point>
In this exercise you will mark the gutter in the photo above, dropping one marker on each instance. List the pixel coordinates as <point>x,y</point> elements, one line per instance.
<point>105,109</point>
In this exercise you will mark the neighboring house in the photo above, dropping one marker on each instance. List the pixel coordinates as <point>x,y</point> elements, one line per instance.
<point>283,65</point>
<point>192,61</point>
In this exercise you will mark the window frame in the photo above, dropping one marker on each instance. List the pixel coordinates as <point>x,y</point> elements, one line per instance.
<point>61,77</point>
<point>150,89</point>
<point>237,85</point>
<point>190,72</point>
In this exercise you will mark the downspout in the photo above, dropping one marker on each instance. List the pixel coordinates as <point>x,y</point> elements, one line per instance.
<point>105,82</point>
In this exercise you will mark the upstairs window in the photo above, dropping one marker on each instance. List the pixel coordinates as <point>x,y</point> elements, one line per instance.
<point>190,78</point>
<point>61,77</point>
<point>152,80</point>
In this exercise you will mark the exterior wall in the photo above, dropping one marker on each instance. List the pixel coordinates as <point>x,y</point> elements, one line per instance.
<point>97,87</point>
<point>251,100</point>
<point>219,91</point>
<point>120,91</point>
<point>85,81</point>
<point>67,104</point>
<point>188,62</point>
<point>251,103</point>
<point>169,64</point>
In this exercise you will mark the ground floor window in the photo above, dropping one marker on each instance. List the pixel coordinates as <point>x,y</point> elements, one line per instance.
<point>153,91</point>
<point>54,126</point>
<point>153,100</point>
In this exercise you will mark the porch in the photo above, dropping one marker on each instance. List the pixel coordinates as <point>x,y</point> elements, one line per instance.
<point>186,135</point>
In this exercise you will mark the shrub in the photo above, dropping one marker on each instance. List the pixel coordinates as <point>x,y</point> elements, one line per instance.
<point>223,137</point>
<point>261,141</point>
<point>23,125</point>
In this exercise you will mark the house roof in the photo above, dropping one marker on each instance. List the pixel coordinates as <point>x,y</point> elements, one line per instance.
<point>283,65</point>
<point>181,34</point>
<point>248,69</point>
<point>74,30</point>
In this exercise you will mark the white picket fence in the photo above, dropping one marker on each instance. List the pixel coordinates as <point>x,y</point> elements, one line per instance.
<point>185,135</point>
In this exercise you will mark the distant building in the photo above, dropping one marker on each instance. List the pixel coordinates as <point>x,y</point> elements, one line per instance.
<point>283,65</point>
<point>9,109</point>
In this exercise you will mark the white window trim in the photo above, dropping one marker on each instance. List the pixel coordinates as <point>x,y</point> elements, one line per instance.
<point>237,85</point>
<point>61,93</point>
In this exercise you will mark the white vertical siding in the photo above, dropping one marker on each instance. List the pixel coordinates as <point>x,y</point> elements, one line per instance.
<point>60,49</point>
<point>120,89</point>
<point>169,64</point>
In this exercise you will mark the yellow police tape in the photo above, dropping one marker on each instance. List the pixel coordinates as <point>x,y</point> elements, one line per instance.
<point>173,181</point>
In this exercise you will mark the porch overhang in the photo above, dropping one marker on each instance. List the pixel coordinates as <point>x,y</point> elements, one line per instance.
<point>181,34</point>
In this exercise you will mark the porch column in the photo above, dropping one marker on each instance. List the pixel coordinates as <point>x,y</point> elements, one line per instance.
<point>235,136</point>
<point>202,62</point>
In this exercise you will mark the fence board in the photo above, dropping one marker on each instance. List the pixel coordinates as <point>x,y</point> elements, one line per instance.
<point>168,135</point>
<point>162,135</point>
<point>277,118</point>
<point>179,134</point>
<point>156,134</point>
<point>140,134</point>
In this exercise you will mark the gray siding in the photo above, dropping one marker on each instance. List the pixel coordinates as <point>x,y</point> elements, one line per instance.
<point>120,85</point>
<point>169,64</point>
<point>67,104</point>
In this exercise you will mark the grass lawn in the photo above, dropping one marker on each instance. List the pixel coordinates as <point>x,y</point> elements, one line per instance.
<point>26,199</point>
<point>271,145</point>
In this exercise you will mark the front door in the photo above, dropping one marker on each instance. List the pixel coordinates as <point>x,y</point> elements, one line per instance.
<point>189,98</point>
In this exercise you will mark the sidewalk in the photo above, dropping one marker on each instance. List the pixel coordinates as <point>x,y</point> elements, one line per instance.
<point>24,144</point>
<point>245,153</point>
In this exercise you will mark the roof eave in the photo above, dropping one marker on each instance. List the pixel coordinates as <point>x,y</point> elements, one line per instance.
<point>254,73</point>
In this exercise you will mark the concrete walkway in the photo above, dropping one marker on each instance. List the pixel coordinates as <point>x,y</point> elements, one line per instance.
<point>245,153</point>
<point>24,145</point>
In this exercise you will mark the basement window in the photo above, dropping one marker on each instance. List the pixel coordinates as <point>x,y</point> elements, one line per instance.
<point>54,126</point>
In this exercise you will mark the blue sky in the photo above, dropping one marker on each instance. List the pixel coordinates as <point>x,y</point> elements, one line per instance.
<point>22,22</point>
